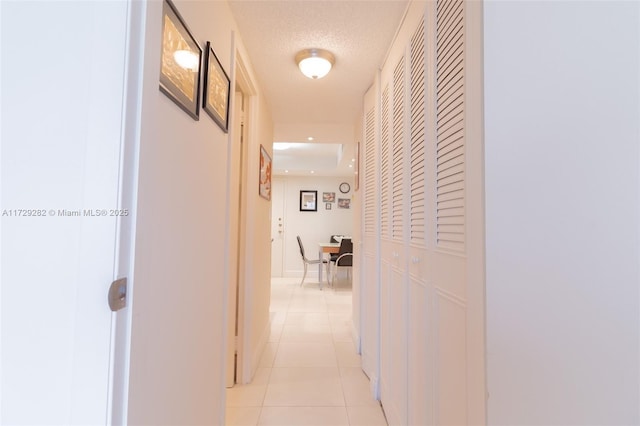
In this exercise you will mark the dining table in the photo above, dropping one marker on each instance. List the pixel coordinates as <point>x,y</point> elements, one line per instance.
<point>325,248</point>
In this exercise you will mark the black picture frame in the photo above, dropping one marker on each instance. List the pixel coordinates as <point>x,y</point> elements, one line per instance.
<point>216,92</point>
<point>327,206</point>
<point>180,61</point>
<point>308,201</point>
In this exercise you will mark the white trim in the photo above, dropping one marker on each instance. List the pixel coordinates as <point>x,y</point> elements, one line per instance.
<point>355,335</point>
<point>118,394</point>
<point>257,354</point>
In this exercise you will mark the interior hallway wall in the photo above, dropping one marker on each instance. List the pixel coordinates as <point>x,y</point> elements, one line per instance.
<point>179,298</point>
<point>562,208</point>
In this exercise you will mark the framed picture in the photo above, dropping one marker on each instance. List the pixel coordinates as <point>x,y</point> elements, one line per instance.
<point>179,62</point>
<point>327,206</point>
<point>215,100</point>
<point>328,197</point>
<point>344,203</point>
<point>265,174</point>
<point>308,201</point>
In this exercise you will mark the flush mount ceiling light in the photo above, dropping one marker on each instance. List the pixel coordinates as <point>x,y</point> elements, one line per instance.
<point>315,63</point>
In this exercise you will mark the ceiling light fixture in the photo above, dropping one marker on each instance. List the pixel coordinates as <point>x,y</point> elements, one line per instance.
<point>315,63</point>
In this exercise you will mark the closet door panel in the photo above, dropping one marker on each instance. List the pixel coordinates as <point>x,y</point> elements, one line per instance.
<point>395,374</point>
<point>370,280</point>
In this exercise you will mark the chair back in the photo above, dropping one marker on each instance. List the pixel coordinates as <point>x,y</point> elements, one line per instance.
<point>346,246</point>
<point>301,247</point>
<point>333,238</point>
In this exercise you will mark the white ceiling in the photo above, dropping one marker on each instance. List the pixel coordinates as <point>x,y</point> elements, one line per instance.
<point>320,159</point>
<point>358,33</point>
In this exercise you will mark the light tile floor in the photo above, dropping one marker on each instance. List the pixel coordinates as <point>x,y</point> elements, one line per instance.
<point>309,373</point>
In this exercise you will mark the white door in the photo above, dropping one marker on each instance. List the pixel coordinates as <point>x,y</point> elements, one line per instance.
<point>62,96</point>
<point>370,279</point>
<point>278,224</point>
<point>455,256</point>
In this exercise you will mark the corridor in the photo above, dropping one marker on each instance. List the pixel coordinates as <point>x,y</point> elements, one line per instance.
<point>309,373</point>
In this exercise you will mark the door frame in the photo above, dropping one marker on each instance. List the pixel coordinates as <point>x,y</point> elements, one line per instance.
<point>237,328</point>
<point>117,411</point>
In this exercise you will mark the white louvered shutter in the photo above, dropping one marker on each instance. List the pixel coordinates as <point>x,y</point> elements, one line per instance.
<point>417,221</point>
<point>369,174</point>
<point>385,177</point>
<point>450,136</point>
<point>397,150</point>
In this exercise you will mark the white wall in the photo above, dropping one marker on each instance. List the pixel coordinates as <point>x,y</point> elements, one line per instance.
<point>561,109</point>
<point>179,299</point>
<point>62,96</point>
<point>313,227</point>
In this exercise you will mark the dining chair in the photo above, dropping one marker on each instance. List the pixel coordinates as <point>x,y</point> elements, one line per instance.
<point>344,257</point>
<point>307,262</point>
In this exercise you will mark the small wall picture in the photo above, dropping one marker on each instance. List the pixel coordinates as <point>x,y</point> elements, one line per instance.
<point>265,174</point>
<point>327,206</point>
<point>329,197</point>
<point>308,201</point>
<point>344,203</point>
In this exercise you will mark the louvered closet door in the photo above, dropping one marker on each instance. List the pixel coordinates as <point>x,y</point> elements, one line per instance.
<point>386,185</point>
<point>393,376</point>
<point>418,344</point>
<point>431,219</point>
<point>370,284</point>
<point>449,308</point>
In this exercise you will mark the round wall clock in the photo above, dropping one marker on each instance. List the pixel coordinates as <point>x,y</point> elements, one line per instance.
<point>345,187</point>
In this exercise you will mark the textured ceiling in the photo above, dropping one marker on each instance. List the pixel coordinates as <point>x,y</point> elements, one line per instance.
<point>358,33</point>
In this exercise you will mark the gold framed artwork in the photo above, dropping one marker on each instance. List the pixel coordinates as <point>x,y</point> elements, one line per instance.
<point>215,100</point>
<point>180,60</point>
<point>265,174</point>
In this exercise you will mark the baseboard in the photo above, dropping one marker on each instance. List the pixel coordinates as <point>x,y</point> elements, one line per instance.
<point>311,273</point>
<point>355,335</point>
<point>262,344</point>
<point>374,387</point>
